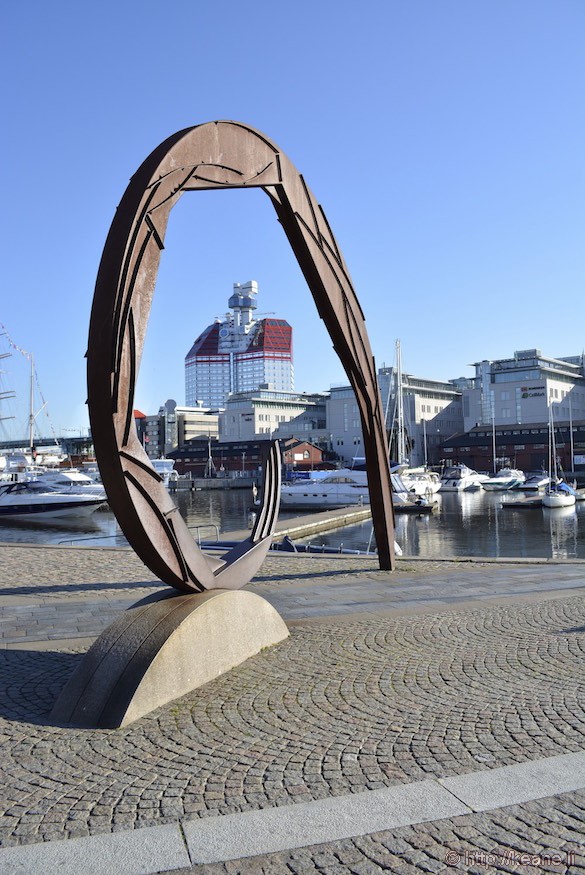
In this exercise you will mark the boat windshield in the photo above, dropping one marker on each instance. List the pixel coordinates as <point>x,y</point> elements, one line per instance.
<point>398,484</point>
<point>23,486</point>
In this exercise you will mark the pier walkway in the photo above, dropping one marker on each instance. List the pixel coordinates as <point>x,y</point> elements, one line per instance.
<point>430,720</point>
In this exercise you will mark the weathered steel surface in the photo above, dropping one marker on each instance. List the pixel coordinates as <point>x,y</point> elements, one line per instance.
<point>219,154</point>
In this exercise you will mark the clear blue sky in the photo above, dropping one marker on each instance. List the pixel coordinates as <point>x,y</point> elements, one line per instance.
<point>445,140</point>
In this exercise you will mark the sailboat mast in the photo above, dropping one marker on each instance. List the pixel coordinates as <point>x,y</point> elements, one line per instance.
<point>549,448</point>
<point>5,394</point>
<point>553,446</point>
<point>494,435</point>
<point>572,448</point>
<point>31,415</point>
<point>400,407</point>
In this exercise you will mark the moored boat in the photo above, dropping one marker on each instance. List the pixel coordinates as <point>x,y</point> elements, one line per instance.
<point>535,481</point>
<point>506,478</point>
<point>404,500</point>
<point>559,494</point>
<point>69,481</point>
<point>460,478</point>
<point>346,488</point>
<point>32,501</point>
<point>341,488</point>
<point>421,481</point>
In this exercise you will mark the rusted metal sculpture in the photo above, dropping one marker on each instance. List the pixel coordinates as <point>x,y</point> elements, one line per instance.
<point>221,154</point>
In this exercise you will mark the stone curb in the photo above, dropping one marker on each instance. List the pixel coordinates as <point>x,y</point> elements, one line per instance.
<point>231,837</point>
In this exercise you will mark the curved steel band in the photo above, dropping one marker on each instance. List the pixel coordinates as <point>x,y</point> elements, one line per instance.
<point>219,154</point>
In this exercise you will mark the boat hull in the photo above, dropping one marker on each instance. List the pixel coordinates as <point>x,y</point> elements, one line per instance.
<point>557,499</point>
<point>459,486</point>
<point>320,501</point>
<point>420,481</point>
<point>460,478</point>
<point>504,486</point>
<point>44,511</point>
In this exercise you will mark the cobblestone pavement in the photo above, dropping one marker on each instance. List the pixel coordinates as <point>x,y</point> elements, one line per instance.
<point>347,703</point>
<point>541,836</point>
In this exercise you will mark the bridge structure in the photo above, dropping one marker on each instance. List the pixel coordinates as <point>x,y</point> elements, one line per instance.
<point>71,445</point>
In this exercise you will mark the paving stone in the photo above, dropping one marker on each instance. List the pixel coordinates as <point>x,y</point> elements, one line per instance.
<point>346,704</point>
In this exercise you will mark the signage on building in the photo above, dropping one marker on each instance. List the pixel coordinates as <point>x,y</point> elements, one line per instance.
<point>533,391</point>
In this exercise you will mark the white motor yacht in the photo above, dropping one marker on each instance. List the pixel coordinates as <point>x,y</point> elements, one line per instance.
<point>346,488</point>
<point>341,488</point>
<point>405,500</point>
<point>460,478</point>
<point>536,482</point>
<point>420,481</point>
<point>68,481</point>
<point>32,501</point>
<point>506,478</point>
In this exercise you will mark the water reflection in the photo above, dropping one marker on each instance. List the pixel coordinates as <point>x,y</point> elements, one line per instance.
<point>207,513</point>
<point>475,524</point>
<point>99,528</point>
<point>562,524</point>
<point>471,524</point>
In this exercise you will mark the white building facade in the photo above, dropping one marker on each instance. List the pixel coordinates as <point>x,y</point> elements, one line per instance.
<point>432,411</point>
<point>523,389</point>
<point>270,414</point>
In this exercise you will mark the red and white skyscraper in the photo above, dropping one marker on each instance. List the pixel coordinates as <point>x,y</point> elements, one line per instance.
<point>239,353</point>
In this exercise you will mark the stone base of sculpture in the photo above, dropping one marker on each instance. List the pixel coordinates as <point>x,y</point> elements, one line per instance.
<point>161,648</point>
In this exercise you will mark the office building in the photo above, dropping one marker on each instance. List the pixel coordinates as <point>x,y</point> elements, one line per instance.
<point>271,414</point>
<point>522,389</point>
<point>238,353</point>
<point>174,426</point>
<point>431,412</point>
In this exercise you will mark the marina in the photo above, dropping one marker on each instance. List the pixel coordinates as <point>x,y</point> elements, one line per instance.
<point>470,524</point>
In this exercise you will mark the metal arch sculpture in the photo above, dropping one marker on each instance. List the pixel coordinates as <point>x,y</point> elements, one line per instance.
<point>220,154</point>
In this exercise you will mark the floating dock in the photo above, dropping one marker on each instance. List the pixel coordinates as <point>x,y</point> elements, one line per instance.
<point>297,528</point>
<point>530,501</point>
<point>527,502</point>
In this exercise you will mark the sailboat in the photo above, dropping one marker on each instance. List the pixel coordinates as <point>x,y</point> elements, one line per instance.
<point>418,481</point>
<point>14,462</point>
<point>22,494</point>
<point>558,493</point>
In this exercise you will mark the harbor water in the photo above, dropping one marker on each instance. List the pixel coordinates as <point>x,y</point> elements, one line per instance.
<point>474,524</point>
<point>477,524</point>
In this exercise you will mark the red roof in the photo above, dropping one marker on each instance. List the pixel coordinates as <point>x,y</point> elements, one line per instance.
<point>273,335</point>
<point>207,342</point>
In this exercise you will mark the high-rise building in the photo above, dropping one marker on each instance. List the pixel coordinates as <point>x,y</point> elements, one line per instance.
<point>239,353</point>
